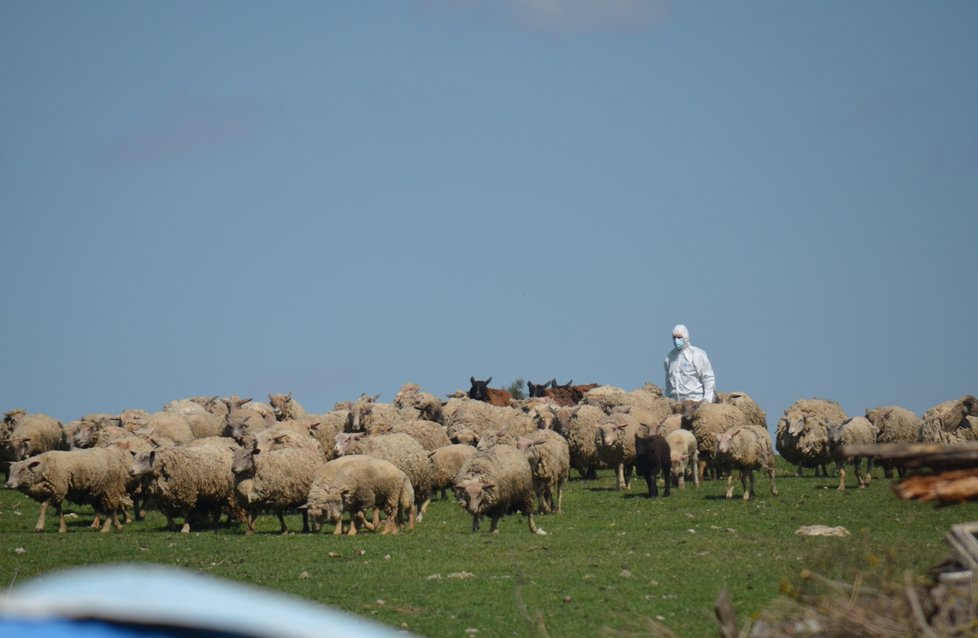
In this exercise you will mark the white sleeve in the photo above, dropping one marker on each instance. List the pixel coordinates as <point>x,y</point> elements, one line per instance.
<point>707,379</point>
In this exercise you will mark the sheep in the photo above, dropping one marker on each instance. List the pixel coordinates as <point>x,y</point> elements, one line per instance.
<point>705,420</point>
<point>359,483</point>
<point>466,420</point>
<point>168,426</point>
<point>286,408</point>
<point>367,415</point>
<point>97,476</point>
<point>31,434</point>
<point>242,421</point>
<point>202,422</point>
<point>616,445</point>
<point>480,391</point>
<point>429,434</point>
<point>446,461</point>
<point>668,425</point>
<point>951,422</point>
<point>400,449</point>
<point>536,390</point>
<point>755,415</point>
<point>188,479</point>
<point>745,448</point>
<point>276,479</point>
<point>894,424</point>
<point>316,498</point>
<point>855,431</point>
<point>549,458</point>
<point>684,453</point>
<point>803,433</point>
<point>494,483</point>
<point>577,426</point>
<point>567,394</point>
<point>608,398</point>
<point>652,455</point>
<point>412,403</point>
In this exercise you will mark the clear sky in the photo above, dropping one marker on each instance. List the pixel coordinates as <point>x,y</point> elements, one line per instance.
<point>336,198</point>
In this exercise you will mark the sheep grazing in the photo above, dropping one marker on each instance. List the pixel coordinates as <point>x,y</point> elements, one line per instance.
<point>803,433</point>
<point>402,450</point>
<point>29,435</point>
<point>445,463</point>
<point>855,431</point>
<point>896,425</point>
<point>683,454</point>
<point>549,458</point>
<point>190,480</point>
<point>96,477</point>
<point>705,420</point>
<point>951,422</point>
<point>277,480</point>
<point>359,483</point>
<point>745,448</point>
<point>494,483</point>
<point>652,455</point>
<point>480,391</point>
<point>577,424</point>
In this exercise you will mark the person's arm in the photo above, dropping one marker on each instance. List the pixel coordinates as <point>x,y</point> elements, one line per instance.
<point>708,380</point>
<point>668,386</point>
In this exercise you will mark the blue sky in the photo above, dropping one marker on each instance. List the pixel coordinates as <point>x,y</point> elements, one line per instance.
<point>336,198</point>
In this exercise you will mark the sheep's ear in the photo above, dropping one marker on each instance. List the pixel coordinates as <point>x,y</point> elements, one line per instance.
<point>489,380</point>
<point>33,464</point>
<point>472,380</point>
<point>622,426</point>
<point>488,486</point>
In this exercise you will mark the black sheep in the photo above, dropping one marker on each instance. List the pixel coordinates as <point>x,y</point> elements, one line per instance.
<point>652,455</point>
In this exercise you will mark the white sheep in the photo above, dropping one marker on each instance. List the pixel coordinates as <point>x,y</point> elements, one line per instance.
<point>745,448</point>
<point>286,407</point>
<point>203,423</point>
<point>402,450</point>
<point>446,461</point>
<point>576,424</point>
<point>97,477</point>
<point>494,483</point>
<point>684,454</point>
<point>466,420</point>
<point>755,415</point>
<point>243,421</point>
<point>855,431</point>
<point>549,458</point>
<point>894,425</point>
<point>191,479</point>
<point>30,434</point>
<point>276,480</point>
<point>705,421</point>
<point>951,422</point>
<point>616,445</point>
<point>360,483</point>
<point>429,434</point>
<point>803,433</point>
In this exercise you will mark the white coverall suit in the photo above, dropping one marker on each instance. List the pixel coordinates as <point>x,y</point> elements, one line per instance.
<point>689,374</point>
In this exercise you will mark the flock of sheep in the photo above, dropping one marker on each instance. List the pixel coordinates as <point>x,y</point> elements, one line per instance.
<point>378,464</point>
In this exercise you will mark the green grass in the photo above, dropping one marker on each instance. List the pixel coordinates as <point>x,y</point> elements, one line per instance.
<point>610,565</point>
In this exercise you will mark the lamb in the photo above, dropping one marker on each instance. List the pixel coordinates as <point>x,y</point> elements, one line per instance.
<point>186,480</point>
<point>480,391</point>
<point>652,455</point>
<point>400,449</point>
<point>96,476</point>
<point>577,426</point>
<point>276,480</point>
<point>31,434</point>
<point>494,483</point>
<point>616,445</point>
<point>683,453</point>
<point>951,422</point>
<point>359,483</point>
<point>446,461</point>
<point>745,448</point>
<point>549,458</point>
<point>855,431</point>
<point>705,420</point>
<point>803,433</point>
<point>894,424</point>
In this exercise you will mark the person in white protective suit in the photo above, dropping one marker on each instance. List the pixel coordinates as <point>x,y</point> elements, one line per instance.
<point>689,374</point>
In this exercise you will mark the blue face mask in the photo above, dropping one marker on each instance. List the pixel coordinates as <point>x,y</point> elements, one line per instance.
<point>679,342</point>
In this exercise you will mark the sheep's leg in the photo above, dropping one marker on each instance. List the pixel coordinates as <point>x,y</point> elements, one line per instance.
<point>62,525</point>
<point>774,490</point>
<point>621,477</point>
<point>283,529</point>
<point>560,496</point>
<point>110,520</point>
<point>665,480</point>
<point>185,513</point>
<point>250,522</point>
<point>729,485</point>
<point>476,521</point>
<point>338,528</point>
<point>696,475</point>
<point>355,518</point>
<point>746,477</point>
<point>868,476</point>
<point>628,476</point>
<point>39,527</point>
<point>800,472</point>
<point>305,521</point>
<point>842,476</point>
<point>97,521</point>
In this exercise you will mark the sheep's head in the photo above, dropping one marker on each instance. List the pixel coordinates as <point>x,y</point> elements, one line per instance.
<point>16,448</point>
<point>244,460</point>
<point>345,440</point>
<point>611,432</point>
<point>474,494</point>
<point>537,390</point>
<point>26,473</point>
<point>725,439</point>
<point>142,463</point>
<point>480,389</point>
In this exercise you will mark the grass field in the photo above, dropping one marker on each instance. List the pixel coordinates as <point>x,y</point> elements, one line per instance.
<point>609,566</point>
